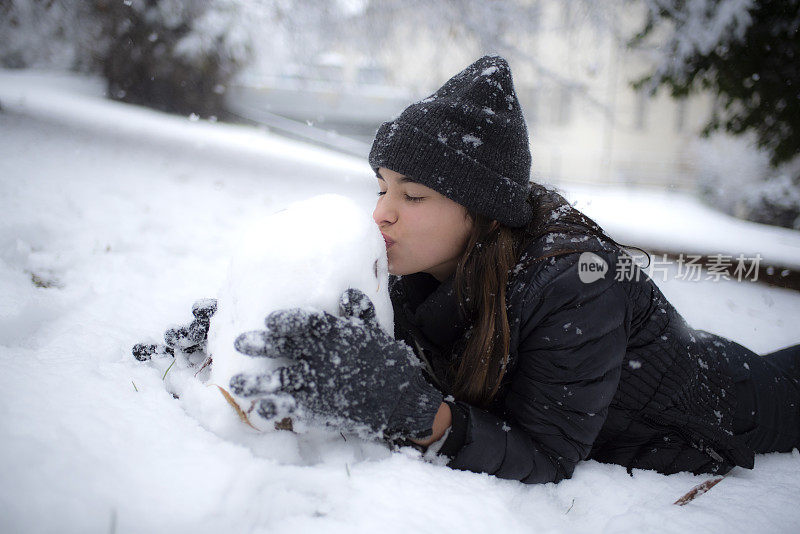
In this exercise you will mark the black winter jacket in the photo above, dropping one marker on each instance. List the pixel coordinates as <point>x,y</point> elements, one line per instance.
<point>606,370</point>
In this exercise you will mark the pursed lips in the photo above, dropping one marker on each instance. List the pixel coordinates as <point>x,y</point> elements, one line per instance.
<point>389,241</point>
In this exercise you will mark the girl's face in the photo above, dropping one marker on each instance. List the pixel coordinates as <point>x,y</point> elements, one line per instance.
<point>424,230</point>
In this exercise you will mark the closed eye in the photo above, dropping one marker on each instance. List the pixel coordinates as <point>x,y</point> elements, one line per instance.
<point>407,197</point>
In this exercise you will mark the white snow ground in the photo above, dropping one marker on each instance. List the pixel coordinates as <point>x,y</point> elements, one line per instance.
<point>129,215</point>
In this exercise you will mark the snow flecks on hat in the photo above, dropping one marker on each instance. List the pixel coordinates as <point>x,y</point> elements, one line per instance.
<point>468,141</point>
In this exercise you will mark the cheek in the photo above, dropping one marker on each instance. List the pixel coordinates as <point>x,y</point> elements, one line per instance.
<point>455,224</point>
<point>447,234</point>
<point>428,235</point>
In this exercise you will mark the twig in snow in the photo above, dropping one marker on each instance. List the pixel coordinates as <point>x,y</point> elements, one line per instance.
<point>570,506</point>
<point>237,408</point>
<point>285,424</point>
<point>205,364</point>
<point>134,386</point>
<point>167,371</point>
<point>698,490</point>
<point>347,467</point>
<point>341,434</point>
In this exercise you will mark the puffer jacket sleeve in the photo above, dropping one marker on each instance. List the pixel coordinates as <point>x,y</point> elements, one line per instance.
<point>572,340</point>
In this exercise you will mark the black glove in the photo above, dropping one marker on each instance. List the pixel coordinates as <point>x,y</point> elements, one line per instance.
<point>188,339</point>
<point>341,367</point>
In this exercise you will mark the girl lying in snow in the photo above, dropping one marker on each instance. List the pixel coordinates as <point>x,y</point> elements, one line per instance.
<point>535,353</point>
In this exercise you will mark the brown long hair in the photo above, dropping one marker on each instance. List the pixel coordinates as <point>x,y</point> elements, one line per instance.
<point>484,270</point>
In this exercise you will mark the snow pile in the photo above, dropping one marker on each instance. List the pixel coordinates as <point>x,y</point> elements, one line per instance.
<point>284,260</point>
<point>293,259</point>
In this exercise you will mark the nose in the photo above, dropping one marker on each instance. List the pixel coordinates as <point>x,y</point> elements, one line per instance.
<point>385,212</point>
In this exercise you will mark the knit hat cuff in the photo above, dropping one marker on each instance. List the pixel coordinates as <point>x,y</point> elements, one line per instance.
<point>408,150</point>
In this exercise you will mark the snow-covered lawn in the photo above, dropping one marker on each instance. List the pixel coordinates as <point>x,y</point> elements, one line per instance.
<point>128,216</point>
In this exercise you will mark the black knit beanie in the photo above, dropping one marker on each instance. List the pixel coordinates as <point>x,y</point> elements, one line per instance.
<point>468,141</point>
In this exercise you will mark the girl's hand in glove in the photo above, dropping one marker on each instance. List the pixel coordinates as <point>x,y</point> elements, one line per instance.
<point>341,367</point>
<point>189,338</point>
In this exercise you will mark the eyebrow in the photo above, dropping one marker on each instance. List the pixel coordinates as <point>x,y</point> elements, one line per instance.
<point>403,179</point>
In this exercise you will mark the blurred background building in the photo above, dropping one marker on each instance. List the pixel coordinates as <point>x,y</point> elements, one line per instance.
<point>572,71</point>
